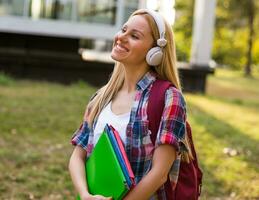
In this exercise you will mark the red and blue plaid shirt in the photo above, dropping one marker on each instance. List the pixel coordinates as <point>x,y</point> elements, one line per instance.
<point>138,146</point>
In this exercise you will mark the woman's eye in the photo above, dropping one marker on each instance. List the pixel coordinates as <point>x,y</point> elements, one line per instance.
<point>135,36</point>
<point>123,30</point>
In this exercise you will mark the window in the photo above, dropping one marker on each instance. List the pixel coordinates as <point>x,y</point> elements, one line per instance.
<point>97,11</point>
<point>92,11</point>
<point>130,7</point>
<point>52,9</point>
<point>11,7</point>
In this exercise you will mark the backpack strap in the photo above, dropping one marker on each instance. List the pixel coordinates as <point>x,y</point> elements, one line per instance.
<point>156,104</point>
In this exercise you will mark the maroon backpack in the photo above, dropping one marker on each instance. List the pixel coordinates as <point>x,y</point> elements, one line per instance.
<point>189,182</point>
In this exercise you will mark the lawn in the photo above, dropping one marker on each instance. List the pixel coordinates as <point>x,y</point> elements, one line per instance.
<point>226,133</point>
<point>37,120</point>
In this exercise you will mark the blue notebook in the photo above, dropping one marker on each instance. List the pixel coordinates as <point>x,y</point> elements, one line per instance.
<point>119,155</point>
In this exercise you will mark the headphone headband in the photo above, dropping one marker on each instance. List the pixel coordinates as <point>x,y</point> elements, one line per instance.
<point>161,42</point>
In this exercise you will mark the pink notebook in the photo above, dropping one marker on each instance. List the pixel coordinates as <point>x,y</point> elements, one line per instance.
<point>121,146</point>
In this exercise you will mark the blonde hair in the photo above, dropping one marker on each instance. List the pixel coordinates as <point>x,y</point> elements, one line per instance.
<point>167,70</point>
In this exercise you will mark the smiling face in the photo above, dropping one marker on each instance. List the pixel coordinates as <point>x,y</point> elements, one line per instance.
<point>132,43</point>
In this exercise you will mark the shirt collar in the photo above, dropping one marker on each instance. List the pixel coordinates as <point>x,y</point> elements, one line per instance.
<point>146,80</point>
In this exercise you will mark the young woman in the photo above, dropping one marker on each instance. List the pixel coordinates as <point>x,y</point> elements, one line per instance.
<point>144,50</point>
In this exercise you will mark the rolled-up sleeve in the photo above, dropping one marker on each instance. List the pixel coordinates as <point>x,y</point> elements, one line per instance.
<point>81,136</point>
<point>172,128</point>
<point>172,125</point>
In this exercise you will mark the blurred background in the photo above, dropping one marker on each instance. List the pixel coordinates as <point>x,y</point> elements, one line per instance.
<point>54,54</point>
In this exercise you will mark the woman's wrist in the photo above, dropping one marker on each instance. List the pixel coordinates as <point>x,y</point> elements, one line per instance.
<point>85,194</point>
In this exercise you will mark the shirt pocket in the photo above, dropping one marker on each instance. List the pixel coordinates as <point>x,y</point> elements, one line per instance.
<point>142,147</point>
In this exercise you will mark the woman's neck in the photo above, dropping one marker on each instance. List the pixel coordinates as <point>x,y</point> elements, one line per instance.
<point>132,77</point>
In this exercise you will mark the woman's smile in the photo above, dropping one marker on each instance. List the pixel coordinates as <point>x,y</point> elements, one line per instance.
<point>121,48</point>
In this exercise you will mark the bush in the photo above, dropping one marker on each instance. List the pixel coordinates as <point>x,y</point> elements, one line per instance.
<point>256,51</point>
<point>5,79</point>
<point>183,46</point>
<point>229,47</point>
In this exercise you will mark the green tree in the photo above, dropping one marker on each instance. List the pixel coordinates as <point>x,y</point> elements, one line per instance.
<point>183,28</point>
<point>238,15</point>
<point>251,16</point>
<point>235,42</point>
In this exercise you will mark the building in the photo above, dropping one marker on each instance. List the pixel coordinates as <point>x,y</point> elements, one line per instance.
<point>67,40</point>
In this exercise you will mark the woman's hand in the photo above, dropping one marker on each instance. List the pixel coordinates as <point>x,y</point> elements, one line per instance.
<point>95,197</point>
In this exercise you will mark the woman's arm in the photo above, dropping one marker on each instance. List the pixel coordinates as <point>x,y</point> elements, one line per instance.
<point>163,158</point>
<point>77,172</point>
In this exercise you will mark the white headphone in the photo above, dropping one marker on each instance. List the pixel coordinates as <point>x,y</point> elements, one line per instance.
<point>155,54</point>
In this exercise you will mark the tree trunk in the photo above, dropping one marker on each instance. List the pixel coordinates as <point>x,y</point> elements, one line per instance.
<point>250,37</point>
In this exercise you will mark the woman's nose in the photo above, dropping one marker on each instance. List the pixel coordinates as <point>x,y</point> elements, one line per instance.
<point>122,36</point>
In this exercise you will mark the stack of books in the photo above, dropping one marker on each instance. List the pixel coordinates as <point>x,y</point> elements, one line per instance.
<point>108,170</point>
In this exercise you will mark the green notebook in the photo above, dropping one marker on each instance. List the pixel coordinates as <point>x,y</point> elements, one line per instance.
<point>103,171</point>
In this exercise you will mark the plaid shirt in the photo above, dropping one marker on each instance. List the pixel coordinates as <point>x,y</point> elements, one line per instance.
<point>139,147</point>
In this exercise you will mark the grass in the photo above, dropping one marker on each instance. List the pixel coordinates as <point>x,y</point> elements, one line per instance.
<point>37,120</point>
<point>227,117</point>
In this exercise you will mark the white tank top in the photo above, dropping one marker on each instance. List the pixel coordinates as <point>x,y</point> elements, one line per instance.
<point>119,122</point>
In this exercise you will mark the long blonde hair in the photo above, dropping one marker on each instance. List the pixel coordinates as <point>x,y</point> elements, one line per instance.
<point>167,70</point>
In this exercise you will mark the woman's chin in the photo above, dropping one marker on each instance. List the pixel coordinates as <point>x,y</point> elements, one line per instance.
<point>116,58</point>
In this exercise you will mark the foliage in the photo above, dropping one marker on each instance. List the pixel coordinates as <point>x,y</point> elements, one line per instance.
<point>5,79</point>
<point>183,45</point>
<point>256,52</point>
<point>183,28</point>
<point>230,43</point>
<point>236,16</point>
<point>230,52</point>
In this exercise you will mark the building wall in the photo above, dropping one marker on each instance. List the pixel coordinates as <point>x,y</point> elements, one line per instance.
<point>94,19</point>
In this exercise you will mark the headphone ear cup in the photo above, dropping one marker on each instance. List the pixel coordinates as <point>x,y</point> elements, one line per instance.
<point>154,56</point>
